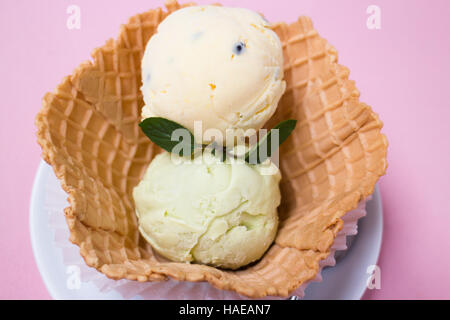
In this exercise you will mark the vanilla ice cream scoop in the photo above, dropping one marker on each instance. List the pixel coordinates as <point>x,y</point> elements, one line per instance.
<point>208,211</point>
<point>221,66</point>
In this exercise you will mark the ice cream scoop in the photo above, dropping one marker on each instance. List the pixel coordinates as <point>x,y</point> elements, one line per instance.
<point>218,65</point>
<point>212,212</point>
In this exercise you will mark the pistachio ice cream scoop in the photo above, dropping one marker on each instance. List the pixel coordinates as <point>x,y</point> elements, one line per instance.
<point>204,210</point>
<point>218,65</point>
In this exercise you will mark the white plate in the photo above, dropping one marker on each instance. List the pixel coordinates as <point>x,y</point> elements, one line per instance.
<point>347,280</point>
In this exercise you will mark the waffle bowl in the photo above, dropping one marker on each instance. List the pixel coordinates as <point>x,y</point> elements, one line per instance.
<point>88,130</point>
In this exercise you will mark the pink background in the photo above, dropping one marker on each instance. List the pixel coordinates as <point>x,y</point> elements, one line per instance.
<point>401,70</point>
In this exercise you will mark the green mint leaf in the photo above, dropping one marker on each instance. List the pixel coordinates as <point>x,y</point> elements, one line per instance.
<point>263,149</point>
<point>161,131</point>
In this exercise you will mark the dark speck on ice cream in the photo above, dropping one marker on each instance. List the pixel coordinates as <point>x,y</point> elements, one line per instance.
<point>197,35</point>
<point>239,47</point>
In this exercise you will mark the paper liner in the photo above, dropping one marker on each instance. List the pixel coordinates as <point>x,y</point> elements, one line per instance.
<point>171,289</point>
<point>88,130</point>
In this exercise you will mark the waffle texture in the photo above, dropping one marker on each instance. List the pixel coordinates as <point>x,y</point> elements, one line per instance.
<point>88,131</point>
